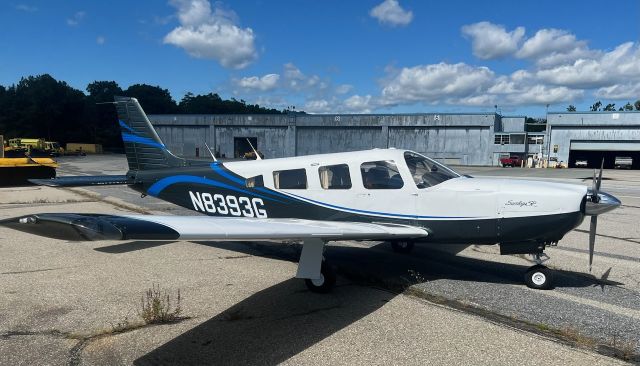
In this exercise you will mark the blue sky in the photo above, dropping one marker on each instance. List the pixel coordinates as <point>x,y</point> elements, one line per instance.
<point>338,56</point>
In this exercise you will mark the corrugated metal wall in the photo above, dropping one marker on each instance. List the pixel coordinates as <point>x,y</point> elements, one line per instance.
<point>454,138</point>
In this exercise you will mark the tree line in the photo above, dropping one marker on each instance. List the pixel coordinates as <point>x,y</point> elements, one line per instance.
<point>43,107</point>
<point>597,107</point>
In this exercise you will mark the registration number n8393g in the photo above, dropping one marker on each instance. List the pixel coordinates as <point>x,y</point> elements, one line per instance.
<point>228,205</point>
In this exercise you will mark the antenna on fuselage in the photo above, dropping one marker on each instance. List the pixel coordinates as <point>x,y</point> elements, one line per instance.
<point>254,150</point>
<point>210,152</point>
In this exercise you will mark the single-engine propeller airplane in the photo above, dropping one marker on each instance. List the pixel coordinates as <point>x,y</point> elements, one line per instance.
<point>391,195</point>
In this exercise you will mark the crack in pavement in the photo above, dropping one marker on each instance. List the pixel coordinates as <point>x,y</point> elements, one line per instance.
<point>34,270</point>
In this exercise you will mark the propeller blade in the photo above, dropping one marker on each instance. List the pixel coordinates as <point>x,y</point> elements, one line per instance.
<point>592,238</point>
<point>600,175</point>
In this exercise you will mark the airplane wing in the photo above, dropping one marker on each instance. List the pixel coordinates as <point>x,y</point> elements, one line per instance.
<point>83,227</point>
<point>81,181</point>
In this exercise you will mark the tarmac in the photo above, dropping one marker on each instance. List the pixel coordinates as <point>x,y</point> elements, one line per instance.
<point>68,303</point>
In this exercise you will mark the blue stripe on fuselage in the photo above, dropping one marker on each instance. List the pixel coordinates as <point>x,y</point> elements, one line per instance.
<point>217,167</point>
<point>160,185</point>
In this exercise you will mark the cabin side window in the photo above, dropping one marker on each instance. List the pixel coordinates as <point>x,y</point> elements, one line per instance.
<point>381,175</point>
<point>253,182</point>
<point>426,172</point>
<point>290,179</point>
<point>335,176</point>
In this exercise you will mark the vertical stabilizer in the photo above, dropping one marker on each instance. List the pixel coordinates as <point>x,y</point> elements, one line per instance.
<point>144,149</point>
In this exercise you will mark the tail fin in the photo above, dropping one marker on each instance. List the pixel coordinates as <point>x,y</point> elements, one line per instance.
<point>142,145</point>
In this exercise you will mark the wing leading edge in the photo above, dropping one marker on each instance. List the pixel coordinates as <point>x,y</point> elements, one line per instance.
<point>83,227</point>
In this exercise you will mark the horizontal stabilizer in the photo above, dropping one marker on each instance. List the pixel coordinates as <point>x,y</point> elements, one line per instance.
<point>81,227</point>
<point>81,181</point>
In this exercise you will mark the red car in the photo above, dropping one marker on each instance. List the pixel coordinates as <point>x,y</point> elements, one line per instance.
<point>511,161</point>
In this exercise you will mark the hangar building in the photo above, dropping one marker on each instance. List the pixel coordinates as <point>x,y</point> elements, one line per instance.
<point>592,136</point>
<point>468,139</point>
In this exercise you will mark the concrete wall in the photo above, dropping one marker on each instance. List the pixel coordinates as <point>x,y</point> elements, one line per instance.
<point>512,124</point>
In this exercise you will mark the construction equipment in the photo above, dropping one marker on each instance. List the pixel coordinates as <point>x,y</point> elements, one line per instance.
<point>17,166</point>
<point>33,147</point>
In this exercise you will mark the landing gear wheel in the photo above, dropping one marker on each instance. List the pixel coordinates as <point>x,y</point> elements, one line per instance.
<point>539,277</point>
<point>402,246</point>
<point>326,281</point>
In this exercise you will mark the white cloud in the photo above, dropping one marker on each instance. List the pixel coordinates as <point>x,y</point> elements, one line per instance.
<point>390,12</point>
<point>490,41</point>
<point>547,41</point>
<point>208,34</point>
<point>618,66</point>
<point>318,106</point>
<point>359,104</point>
<point>344,88</point>
<point>551,47</point>
<point>264,83</point>
<point>101,40</point>
<point>543,94</point>
<point>431,83</point>
<point>629,91</point>
<point>76,18</point>
<point>26,8</point>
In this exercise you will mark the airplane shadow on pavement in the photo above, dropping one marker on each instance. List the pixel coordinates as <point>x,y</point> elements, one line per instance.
<point>378,265</point>
<point>283,320</point>
<point>269,326</point>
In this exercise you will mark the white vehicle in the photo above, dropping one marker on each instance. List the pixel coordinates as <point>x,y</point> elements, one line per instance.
<point>398,196</point>
<point>581,163</point>
<point>623,162</point>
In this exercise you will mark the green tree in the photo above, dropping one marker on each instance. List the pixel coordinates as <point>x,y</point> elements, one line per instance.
<point>637,105</point>
<point>628,107</point>
<point>571,108</point>
<point>212,104</point>
<point>104,91</point>
<point>610,107</point>
<point>101,117</point>
<point>40,106</point>
<point>153,99</point>
<point>596,106</point>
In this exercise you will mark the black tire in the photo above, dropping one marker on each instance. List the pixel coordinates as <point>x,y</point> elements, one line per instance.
<point>504,165</point>
<point>539,277</point>
<point>328,280</point>
<point>402,246</point>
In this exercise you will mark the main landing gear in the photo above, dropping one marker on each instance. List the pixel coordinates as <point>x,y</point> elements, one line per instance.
<point>325,283</point>
<point>539,276</point>
<point>318,275</point>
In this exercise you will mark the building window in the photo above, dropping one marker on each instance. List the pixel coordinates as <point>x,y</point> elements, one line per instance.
<point>535,140</point>
<point>335,176</point>
<point>502,139</point>
<point>381,175</point>
<point>290,179</point>
<point>254,182</point>
<point>516,139</point>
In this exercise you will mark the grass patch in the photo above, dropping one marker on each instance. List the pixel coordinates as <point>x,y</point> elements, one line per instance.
<point>157,307</point>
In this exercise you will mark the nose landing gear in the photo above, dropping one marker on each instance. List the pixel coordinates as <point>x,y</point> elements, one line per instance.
<point>539,277</point>
<point>402,246</point>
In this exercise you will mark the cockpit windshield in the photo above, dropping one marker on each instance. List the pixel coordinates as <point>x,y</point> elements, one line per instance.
<point>426,172</point>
